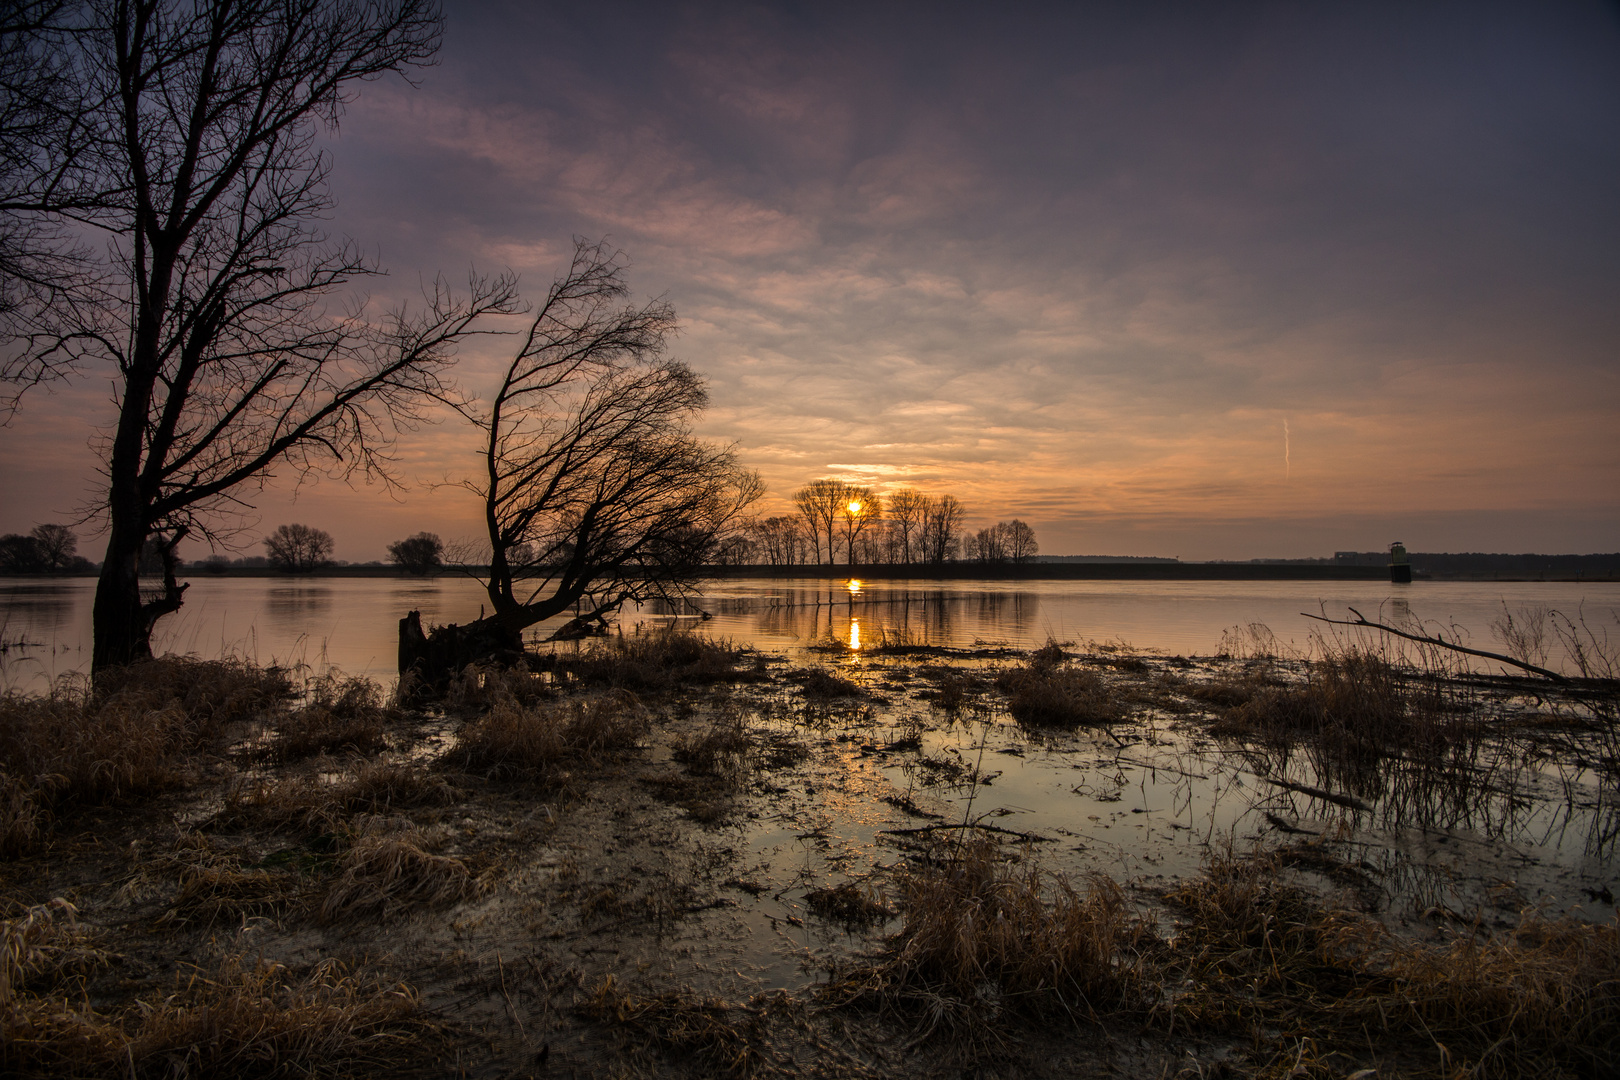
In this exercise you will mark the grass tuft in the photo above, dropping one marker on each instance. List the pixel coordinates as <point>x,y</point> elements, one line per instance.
<point>241,1020</point>
<point>343,713</point>
<point>985,936</point>
<point>510,741</point>
<point>661,660</point>
<point>383,876</point>
<point>1048,691</point>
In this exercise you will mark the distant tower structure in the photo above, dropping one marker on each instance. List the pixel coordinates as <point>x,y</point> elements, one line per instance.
<point>1400,570</point>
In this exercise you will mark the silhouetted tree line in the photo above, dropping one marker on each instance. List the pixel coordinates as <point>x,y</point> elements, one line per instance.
<point>48,549</point>
<point>837,521</point>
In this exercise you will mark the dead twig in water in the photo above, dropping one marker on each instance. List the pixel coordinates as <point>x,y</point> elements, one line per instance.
<point>1349,801</point>
<point>1031,837</point>
<point>1362,620</point>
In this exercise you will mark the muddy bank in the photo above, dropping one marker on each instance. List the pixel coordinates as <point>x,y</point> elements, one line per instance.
<point>666,856</point>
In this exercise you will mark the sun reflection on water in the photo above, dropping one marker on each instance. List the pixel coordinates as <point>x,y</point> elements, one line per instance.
<point>854,634</point>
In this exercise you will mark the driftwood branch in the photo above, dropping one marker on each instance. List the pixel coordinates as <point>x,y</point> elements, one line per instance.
<point>1361,620</point>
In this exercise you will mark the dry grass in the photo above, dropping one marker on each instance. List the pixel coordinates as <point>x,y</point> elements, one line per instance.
<point>309,804</point>
<point>126,737</point>
<point>821,684</point>
<point>719,751</point>
<point>510,741</point>
<point>43,948</point>
<point>1048,691</point>
<point>480,687</point>
<point>384,876</point>
<point>215,895</point>
<point>848,905</point>
<point>1354,710</point>
<point>240,1020</point>
<point>985,936</point>
<point>661,660</point>
<point>1256,955</point>
<point>343,714</point>
<point>702,1030</point>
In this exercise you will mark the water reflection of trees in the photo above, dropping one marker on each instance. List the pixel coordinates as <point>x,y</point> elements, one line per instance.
<point>938,617</point>
<point>294,605</point>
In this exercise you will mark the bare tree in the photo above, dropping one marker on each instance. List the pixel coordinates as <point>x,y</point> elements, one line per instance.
<point>907,510</point>
<point>941,525</point>
<point>56,544</point>
<point>420,554</point>
<point>202,170</point>
<point>820,502</point>
<point>1021,543</point>
<point>590,462</point>
<point>861,510</point>
<point>298,548</point>
<point>781,540</point>
<point>44,144</point>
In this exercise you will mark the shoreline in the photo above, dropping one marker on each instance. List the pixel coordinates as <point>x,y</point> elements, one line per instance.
<point>949,572</point>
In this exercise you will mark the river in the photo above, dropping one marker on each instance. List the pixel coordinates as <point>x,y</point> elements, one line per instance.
<point>351,623</point>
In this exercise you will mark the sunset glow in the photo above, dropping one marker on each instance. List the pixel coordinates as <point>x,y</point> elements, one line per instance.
<point>1215,281</point>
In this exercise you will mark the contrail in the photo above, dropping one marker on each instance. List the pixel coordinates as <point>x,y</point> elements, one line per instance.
<point>1288,462</point>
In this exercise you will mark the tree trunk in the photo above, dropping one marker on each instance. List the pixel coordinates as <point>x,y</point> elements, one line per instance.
<point>434,659</point>
<point>120,630</point>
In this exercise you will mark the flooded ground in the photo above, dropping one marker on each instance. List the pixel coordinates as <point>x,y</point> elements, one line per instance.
<point>737,861</point>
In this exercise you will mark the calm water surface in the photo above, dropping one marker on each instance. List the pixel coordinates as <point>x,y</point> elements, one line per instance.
<point>352,623</point>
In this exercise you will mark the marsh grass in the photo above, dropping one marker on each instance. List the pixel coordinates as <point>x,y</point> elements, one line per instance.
<point>312,805</point>
<point>822,684</point>
<point>660,660</point>
<point>704,1031</point>
<point>128,736</point>
<point>514,742</point>
<point>1050,691</point>
<point>849,905</point>
<point>719,751</point>
<point>241,1019</point>
<point>342,713</point>
<point>382,877</point>
<point>986,936</point>
<point>1256,954</point>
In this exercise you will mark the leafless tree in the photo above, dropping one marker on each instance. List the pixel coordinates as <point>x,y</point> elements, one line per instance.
<point>940,528</point>
<point>44,144</point>
<point>298,548</point>
<point>907,509</point>
<point>1021,543</point>
<point>820,503</point>
<point>861,510</point>
<point>591,469</point>
<point>210,306</point>
<point>781,540</point>
<point>420,554</point>
<point>57,545</point>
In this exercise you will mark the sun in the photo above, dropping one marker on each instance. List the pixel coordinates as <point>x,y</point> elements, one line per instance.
<point>855,507</point>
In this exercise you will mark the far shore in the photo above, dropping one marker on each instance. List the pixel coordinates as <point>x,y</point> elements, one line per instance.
<point>1101,571</point>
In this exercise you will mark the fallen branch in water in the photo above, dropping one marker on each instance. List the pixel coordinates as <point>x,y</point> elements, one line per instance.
<point>1349,801</point>
<point>1361,620</point>
<point>1031,837</point>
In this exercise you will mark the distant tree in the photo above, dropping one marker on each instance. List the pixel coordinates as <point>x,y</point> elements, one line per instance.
<point>907,509</point>
<point>941,528</point>
<point>820,503</point>
<point>57,546</point>
<point>1021,543</point>
<point>420,554</point>
<point>861,511</point>
<point>20,554</point>
<point>780,540</point>
<point>298,548</point>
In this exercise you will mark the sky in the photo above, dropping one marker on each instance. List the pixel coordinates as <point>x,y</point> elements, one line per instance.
<point>1215,281</point>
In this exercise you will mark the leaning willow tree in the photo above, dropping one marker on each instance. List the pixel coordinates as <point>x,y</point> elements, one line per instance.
<point>171,163</point>
<point>596,492</point>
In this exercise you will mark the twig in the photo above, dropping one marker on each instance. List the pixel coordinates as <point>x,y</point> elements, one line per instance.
<point>967,825</point>
<point>1361,620</point>
<point>1349,801</point>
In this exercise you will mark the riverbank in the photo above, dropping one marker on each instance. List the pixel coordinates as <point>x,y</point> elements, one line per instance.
<point>667,856</point>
